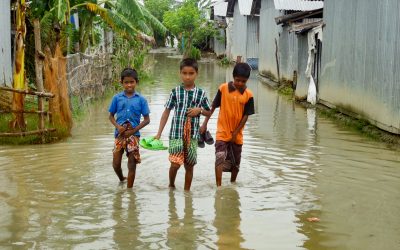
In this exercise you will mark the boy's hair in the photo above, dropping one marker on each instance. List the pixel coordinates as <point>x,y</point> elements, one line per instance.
<point>189,62</point>
<point>242,69</point>
<point>129,72</point>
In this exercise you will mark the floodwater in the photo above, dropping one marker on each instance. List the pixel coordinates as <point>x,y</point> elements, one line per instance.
<point>295,165</point>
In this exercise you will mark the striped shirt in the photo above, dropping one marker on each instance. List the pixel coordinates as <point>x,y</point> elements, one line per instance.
<point>181,100</point>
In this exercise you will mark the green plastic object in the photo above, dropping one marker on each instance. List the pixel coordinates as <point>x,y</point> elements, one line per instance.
<point>152,144</point>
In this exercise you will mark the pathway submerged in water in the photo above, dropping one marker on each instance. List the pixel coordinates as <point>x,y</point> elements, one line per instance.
<point>295,166</point>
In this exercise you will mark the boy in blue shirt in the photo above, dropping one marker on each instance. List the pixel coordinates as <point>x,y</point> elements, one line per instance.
<point>129,106</point>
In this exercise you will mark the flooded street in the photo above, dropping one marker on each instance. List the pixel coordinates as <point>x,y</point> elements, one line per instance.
<point>295,165</point>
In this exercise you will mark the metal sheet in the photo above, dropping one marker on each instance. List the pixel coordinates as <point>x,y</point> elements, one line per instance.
<point>5,44</point>
<point>239,31</point>
<point>220,8</point>
<point>252,37</point>
<point>269,31</point>
<point>245,6</point>
<point>361,60</point>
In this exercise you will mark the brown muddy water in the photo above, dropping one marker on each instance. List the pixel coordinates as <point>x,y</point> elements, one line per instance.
<point>295,166</point>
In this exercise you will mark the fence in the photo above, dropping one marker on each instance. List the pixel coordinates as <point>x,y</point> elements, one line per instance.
<point>88,75</point>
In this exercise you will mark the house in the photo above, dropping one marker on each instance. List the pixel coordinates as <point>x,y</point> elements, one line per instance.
<point>361,60</point>
<point>283,53</point>
<point>5,44</point>
<point>218,10</point>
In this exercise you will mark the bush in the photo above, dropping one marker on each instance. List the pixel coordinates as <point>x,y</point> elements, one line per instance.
<point>195,53</point>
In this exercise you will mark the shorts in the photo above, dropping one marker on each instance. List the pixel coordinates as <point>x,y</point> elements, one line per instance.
<point>228,154</point>
<point>130,145</point>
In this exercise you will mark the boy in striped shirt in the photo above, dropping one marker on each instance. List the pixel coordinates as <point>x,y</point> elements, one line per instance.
<point>189,102</point>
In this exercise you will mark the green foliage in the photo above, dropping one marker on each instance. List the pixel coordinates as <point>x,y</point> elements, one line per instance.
<point>224,61</point>
<point>158,8</point>
<point>127,17</point>
<point>128,54</point>
<point>195,53</point>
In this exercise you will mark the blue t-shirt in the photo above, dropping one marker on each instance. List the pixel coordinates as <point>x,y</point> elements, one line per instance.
<point>129,109</point>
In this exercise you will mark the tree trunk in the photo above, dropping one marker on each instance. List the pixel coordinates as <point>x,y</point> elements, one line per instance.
<point>39,71</point>
<point>19,67</point>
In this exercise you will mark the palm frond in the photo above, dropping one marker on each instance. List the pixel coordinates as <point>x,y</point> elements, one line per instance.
<point>131,9</point>
<point>61,8</point>
<point>46,25</point>
<point>153,21</point>
<point>141,24</point>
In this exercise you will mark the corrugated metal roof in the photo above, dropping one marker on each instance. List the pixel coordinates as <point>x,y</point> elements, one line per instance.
<point>298,5</point>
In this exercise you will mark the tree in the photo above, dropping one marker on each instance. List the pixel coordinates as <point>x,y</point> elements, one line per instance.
<point>19,66</point>
<point>187,23</point>
<point>157,8</point>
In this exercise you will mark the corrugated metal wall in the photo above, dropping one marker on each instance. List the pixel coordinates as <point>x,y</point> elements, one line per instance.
<point>219,45</point>
<point>361,60</point>
<point>268,32</point>
<point>5,44</point>
<point>239,38</point>
<point>288,53</point>
<point>252,37</point>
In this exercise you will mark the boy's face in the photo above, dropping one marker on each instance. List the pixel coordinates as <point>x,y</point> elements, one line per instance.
<point>239,82</point>
<point>188,75</point>
<point>129,83</point>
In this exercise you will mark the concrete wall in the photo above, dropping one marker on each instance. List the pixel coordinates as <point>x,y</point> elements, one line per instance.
<point>5,44</point>
<point>361,60</point>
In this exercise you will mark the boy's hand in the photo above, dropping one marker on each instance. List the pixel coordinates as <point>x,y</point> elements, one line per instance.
<point>121,129</point>
<point>234,135</point>
<point>193,112</point>
<point>203,129</point>
<point>129,132</point>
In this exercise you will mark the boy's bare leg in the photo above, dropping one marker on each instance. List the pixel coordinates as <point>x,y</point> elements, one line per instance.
<point>131,170</point>
<point>117,158</point>
<point>188,177</point>
<point>218,174</point>
<point>173,170</point>
<point>234,173</point>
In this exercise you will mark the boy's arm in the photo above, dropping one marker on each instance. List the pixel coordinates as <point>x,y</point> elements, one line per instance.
<point>116,125</point>
<point>215,104</point>
<point>239,127</point>
<point>163,121</point>
<point>248,110</point>
<point>203,127</point>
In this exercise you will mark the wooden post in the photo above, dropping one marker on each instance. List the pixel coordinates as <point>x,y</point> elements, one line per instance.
<point>39,72</point>
<point>277,62</point>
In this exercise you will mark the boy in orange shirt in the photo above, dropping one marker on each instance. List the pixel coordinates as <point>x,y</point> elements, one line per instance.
<point>236,103</point>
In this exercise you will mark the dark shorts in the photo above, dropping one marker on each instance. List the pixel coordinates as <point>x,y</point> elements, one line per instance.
<point>228,154</point>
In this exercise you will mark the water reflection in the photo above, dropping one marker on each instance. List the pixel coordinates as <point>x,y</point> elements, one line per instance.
<point>227,219</point>
<point>126,216</point>
<point>182,233</point>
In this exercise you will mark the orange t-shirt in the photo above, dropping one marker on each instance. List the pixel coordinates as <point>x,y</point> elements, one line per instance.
<point>234,104</point>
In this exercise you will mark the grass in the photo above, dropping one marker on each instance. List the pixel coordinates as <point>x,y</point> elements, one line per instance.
<point>361,126</point>
<point>224,61</point>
